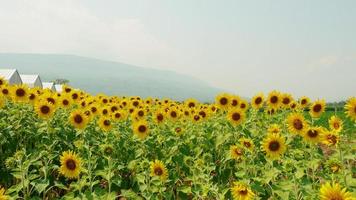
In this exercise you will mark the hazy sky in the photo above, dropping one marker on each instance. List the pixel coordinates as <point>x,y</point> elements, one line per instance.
<point>305,47</point>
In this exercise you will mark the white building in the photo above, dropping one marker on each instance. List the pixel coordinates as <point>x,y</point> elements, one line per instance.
<point>31,80</point>
<point>11,75</point>
<point>58,88</point>
<point>49,85</point>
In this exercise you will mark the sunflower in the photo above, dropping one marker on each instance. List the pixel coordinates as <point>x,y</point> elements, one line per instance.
<point>274,146</point>
<point>159,169</point>
<point>330,138</point>
<point>235,101</point>
<point>173,114</point>
<point>65,101</point>
<point>335,124</point>
<point>350,108</point>
<point>3,81</point>
<point>223,101</point>
<point>333,191</point>
<point>44,109</point>
<point>293,105</point>
<point>70,165</point>
<point>240,191</point>
<point>139,114</point>
<point>2,194</point>
<point>191,103</point>
<point>296,123</point>
<point>274,128</point>
<point>317,108</point>
<point>119,115</point>
<point>313,134</point>
<point>257,101</point>
<point>286,100</point>
<point>159,116</point>
<point>243,105</point>
<point>66,89</point>
<point>32,96</point>
<point>179,130</point>
<point>304,101</point>
<point>236,152</point>
<point>78,119</point>
<point>20,93</point>
<point>105,124</point>
<point>5,91</point>
<point>247,143</point>
<point>274,99</point>
<point>140,128</point>
<point>236,117</point>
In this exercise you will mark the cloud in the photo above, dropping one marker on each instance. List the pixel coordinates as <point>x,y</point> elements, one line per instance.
<point>68,27</point>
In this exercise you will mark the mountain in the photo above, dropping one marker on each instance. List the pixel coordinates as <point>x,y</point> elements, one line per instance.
<point>112,78</point>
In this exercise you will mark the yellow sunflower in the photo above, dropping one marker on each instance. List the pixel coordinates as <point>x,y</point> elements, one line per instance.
<point>105,124</point>
<point>286,100</point>
<point>223,101</point>
<point>141,129</point>
<point>274,99</point>
<point>78,119</point>
<point>247,143</point>
<point>236,117</point>
<point>70,165</point>
<point>333,191</point>
<point>65,101</point>
<point>159,169</point>
<point>139,114</point>
<point>241,191</point>
<point>317,108</point>
<point>44,109</point>
<point>159,116</point>
<point>20,93</point>
<point>350,108</point>
<point>191,103</point>
<point>313,134</point>
<point>335,124</point>
<point>119,115</point>
<point>274,128</point>
<point>235,101</point>
<point>243,105</point>
<point>304,102</point>
<point>2,194</point>
<point>5,91</point>
<point>173,114</point>
<point>296,123</point>
<point>236,152</point>
<point>330,138</point>
<point>274,146</point>
<point>3,81</point>
<point>257,101</point>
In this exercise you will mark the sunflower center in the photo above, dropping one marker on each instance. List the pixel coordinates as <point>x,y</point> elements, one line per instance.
<point>196,117</point>
<point>236,116</point>
<point>332,139</point>
<point>223,101</point>
<point>243,105</point>
<point>78,119</point>
<point>336,125</point>
<point>65,102</point>
<point>5,91</point>
<point>202,113</point>
<point>258,100</point>
<point>159,117</point>
<point>247,144</point>
<point>45,109</point>
<point>141,113</point>
<point>51,100</point>
<point>70,164</point>
<point>117,115</point>
<point>298,124</point>
<point>135,103</point>
<point>274,146</point>
<point>286,101</point>
<point>317,108</point>
<point>243,192</point>
<point>191,104</point>
<point>20,92</point>
<point>336,197</point>
<point>94,109</point>
<point>178,129</point>
<point>105,111</point>
<point>173,114</point>
<point>158,171</point>
<point>312,133</point>
<point>234,102</point>
<point>68,90</point>
<point>142,128</point>
<point>107,122</point>
<point>238,152</point>
<point>274,99</point>
<point>75,96</point>
<point>32,97</point>
<point>304,101</point>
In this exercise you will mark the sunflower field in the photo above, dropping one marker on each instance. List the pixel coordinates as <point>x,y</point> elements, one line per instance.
<point>72,145</point>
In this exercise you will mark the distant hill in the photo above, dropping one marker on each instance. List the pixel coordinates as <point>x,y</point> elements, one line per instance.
<point>112,78</point>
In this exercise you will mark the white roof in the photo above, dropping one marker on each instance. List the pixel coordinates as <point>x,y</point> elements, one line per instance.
<point>7,73</point>
<point>47,84</point>
<point>29,78</point>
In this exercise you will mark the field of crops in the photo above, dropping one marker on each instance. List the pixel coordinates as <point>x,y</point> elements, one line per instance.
<point>76,146</point>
